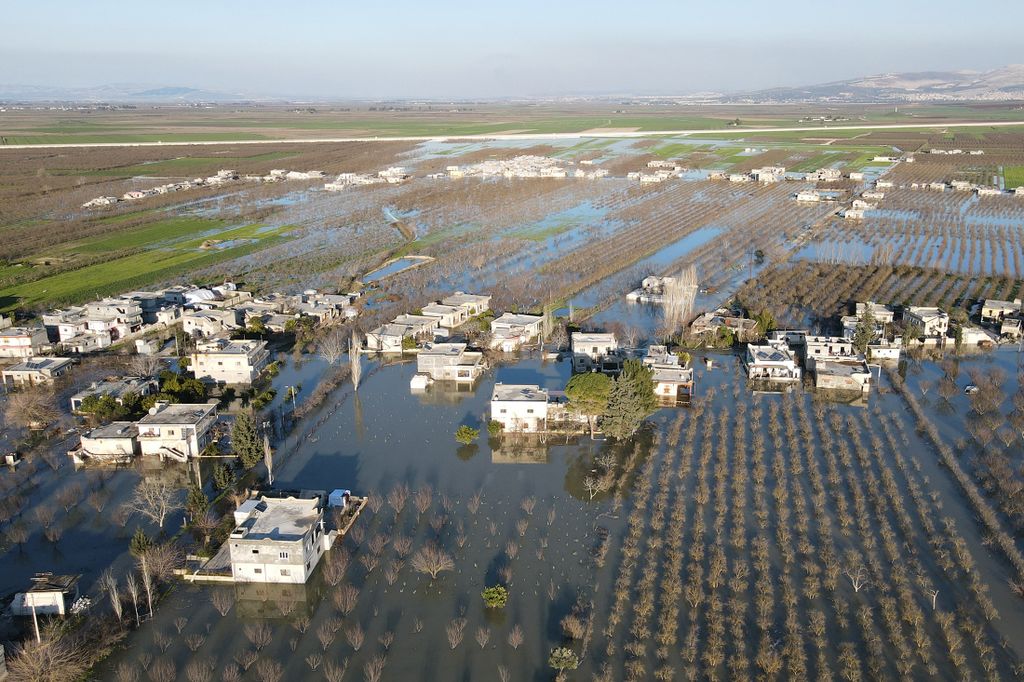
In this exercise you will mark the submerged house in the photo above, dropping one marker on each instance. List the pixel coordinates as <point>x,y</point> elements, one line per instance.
<point>176,432</point>
<point>388,338</point>
<point>113,442</point>
<point>595,351</point>
<point>237,362</point>
<point>50,595</point>
<point>771,363</point>
<point>520,408</point>
<point>118,389</point>
<point>512,330</point>
<point>277,540</point>
<point>851,374</point>
<point>450,362</point>
<point>36,371</point>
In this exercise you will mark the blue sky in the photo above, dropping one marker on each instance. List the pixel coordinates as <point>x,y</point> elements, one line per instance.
<point>486,49</point>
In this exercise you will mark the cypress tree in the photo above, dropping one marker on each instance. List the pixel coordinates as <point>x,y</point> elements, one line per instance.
<point>245,442</point>
<point>632,400</point>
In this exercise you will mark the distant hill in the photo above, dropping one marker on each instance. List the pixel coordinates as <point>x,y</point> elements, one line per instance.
<point>1006,83</point>
<point>118,93</point>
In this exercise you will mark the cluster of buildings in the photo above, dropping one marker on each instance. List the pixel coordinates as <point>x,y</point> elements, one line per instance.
<point>652,289</point>
<point>525,166</point>
<point>1003,317</point>
<point>658,171</point>
<point>389,176</point>
<point>832,360</point>
<point>177,432</point>
<point>965,186</point>
<point>222,177</point>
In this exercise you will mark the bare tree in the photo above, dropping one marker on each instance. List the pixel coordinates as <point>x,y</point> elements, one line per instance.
<point>516,637</point>
<point>53,659</point>
<point>432,560</point>
<point>222,600</point>
<point>142,365</point>
<point>354,358</point>
<point>373,669</point>
<point>596,484</point>
<point>259,634</point>
<point>199,670</point>
<point>331,347</point>
<point>155,498</point>
<point>269,670</point>
<point>679,295</point>
<point>455,630</point>
<point>132,587</point>
<point>32,408</point>
<point>108,583</point>
<point>335,673</point>
<point>858,575</point>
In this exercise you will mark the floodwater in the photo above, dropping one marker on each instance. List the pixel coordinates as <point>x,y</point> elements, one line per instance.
<point>386,434</point>
<point>392,268</point>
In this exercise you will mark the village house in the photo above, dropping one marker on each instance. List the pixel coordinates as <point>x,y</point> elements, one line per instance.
<point>595,351</point>
<point>388,338</point>
<point>236,363</point>
<point>23,342</point>
<point>856,175</point>
<point>708,324</point>
<point>512,330</point>
<point>994,311</point>
<point>817,348</point>
<point>1011,327</point>
<point>933,322</point>
<point>50,595</point>
<point>117,389</point>
<point>652,289</point>
<point>808,195</point>
<point>277,540</point>
<point>36,371</point>
<point>771,363</point>
<point>972,337</point>
<point>116,316</point>
<point>520,408</point>
<point>872,194</point>
<point>861,205</point>
<point>473,304</point>
<point>178,431</point>
<point>988,191</point>
<point>824,175</point>
<point>769,174</point>
<point>448,316</point>
<point>203,324</point>
<point>672,383</point>
<point>450,362</point>
<point>853,214</point>
<point>884,351</point>
<point>113,442</point>
<point>843,375</point>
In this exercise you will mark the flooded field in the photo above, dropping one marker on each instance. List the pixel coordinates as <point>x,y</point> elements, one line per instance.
<point>731,543</point>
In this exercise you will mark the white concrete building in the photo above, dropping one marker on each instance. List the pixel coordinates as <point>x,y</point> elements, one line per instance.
<point>593,350</point>
<point>202,324</point>
<point>277,540</point>
<point>176,432</point>
<point>448,316</point>
<point>22,342</point>
<point>36,371</point>
<point>771,363</point>
<point>512,330</point>
<point>50,595</point>
<point>818,348</point>
<point>116,441</point>
<point>843,375</point>
<point>450,362</point>
<point>230,362</point>
<point>473,304</point>
<point>932,321</point>
<point>520,408</point>
<point>808,195</point>
<point>993,310</point>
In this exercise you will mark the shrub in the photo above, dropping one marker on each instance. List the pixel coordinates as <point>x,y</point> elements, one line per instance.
<point>466,434</point>
<point>495,597</point>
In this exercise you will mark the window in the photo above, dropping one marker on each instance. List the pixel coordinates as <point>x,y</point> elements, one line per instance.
<point>256,551</point>
<point>282,555</point>
<point>286,571</point>
<point>529,411</point>
<point>502,411</point>
<point>257,570</point>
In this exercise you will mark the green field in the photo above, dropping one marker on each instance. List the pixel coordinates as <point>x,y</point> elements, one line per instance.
<point>124,138</point>
<point>1013,176</point>
<point>185,166</point>
<point>156,264</point>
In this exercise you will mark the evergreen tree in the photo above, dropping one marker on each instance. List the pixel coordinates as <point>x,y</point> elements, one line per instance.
<point>139,543</point>
<point>223,476</point>
<point>588,395</point>
<point>864,333</point>
<point>632,400</point>
<point>245,442</point>
<point>196,503</point>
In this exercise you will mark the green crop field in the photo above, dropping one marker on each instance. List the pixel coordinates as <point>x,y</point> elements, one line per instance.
<point>155,264</point>
<point>185,166</point>
<point>1013,176</point>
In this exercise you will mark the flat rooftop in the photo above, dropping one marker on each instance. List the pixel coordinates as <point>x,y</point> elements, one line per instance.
<point>769,354</point>
<point>286,519</point>
<point>114,430</point>
<point>460,298</point>
<point>39,364</point>
<point>517,319</point>
<point>592,337</point>
<point>524,392</point>
<point>182,413</point>
<point>841,368</point>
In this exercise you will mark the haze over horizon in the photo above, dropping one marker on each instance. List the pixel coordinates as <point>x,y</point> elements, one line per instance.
<point>443,50</point>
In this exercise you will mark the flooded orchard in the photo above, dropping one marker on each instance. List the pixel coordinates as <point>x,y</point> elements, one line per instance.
<point>750,534</point>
